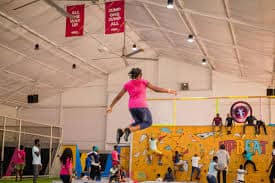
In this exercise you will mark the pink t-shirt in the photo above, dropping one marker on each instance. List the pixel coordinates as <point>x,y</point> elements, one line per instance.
<point>65,168</point>
<point>115,159</point>
<point>137,92</point>
<point>21,155</point>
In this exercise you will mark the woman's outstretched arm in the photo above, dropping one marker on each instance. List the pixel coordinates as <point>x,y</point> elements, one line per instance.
<point>116,99</point>
<point>161,90</point>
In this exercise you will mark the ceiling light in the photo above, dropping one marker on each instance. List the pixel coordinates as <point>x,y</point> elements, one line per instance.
<point>204,62</point>
<point>190,38</point>
<point>36,46</point>
<point>134,48</point>
<point>170,4</point>
<point>74,66</point>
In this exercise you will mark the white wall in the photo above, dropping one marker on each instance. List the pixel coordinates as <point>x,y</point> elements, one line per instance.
<point>7,110</point>
<point>82,114</point>
<point>172,73</point>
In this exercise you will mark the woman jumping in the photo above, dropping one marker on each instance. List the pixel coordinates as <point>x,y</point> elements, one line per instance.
<point>136,88</point>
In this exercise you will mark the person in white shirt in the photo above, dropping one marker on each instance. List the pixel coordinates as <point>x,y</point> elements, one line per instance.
<point>212,171</point>
<point>240,174</point>
<point>272,164</point>
<point>36,160</point>
<point>153,149</point>
<point>223,161</point>
<point>159,179</point>
<point>195,166</point>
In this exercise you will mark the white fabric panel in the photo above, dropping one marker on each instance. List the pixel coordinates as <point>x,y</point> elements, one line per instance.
<point>42,115</point>
<point>84,126</point>
<point>7,110</point>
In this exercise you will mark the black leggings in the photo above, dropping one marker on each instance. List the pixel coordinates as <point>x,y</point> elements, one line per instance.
<point>223,176</point>
<point>95,173</point>
<point>65,178</point>
<point>259,125</point>
<point>252,163</point>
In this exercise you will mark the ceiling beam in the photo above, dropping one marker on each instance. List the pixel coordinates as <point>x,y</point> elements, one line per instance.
<point>101,71</point>
<point>25,78</point>
<point>233,36</point>
<point>232,20</point>
<point>186,19</point>
<point>159,25</point>
<point>2,101</point>
<point>36,61</point>
<point>13,93</point>
<point>218,43</point>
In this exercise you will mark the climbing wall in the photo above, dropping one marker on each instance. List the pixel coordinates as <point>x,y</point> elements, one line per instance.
<point>189,140</point>
<point>124,157</point>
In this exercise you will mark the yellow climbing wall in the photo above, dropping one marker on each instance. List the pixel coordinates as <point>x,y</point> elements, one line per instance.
<point>124,157</point>
<point>189,140</point>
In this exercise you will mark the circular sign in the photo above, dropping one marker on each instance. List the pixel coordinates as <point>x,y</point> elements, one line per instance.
<point>240,111</point>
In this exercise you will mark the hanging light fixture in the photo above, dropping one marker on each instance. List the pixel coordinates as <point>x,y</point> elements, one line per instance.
<point>204,61</point>
<point>190,38</point>
<point>134,47</point>
<point>170,4</point>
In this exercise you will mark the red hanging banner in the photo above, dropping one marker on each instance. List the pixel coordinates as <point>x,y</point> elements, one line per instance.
<point>75,23</point>
<point>114,17</point>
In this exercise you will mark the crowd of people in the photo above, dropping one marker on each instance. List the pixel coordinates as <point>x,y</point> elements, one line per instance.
<point>217,171</point>
<point>218,167</point>
<point>220,162</point>
<point>230,123</point>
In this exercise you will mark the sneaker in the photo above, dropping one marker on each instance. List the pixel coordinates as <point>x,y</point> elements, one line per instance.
<point>127,133</point>
<point>119,134</point>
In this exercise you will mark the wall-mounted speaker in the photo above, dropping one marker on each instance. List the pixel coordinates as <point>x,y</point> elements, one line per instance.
<point>270,91</point>
<point>184,86</point>
<point>32,99</point>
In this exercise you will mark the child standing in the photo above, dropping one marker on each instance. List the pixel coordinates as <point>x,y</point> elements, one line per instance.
<point>212,171</point>
<point>240,174</point>
<point>195,166</point>
<point>20,162</point>
<point>217,122</point>
<point>229,121</point>
<point>138,107</point>
<point>169,177</point>
<point>66,166</point>
<point>95,164</point>
<point>159,179</point>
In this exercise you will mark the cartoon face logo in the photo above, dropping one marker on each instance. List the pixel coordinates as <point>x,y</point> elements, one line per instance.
<point>240,111</point>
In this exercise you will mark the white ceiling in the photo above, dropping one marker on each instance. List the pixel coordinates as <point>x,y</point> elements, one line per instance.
<point>235,36</point>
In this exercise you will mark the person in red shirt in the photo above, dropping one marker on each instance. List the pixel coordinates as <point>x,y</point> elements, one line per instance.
<point>136,88</point>
<point>20,162</point>
<point>217,122</point>
<point>115,156</point>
